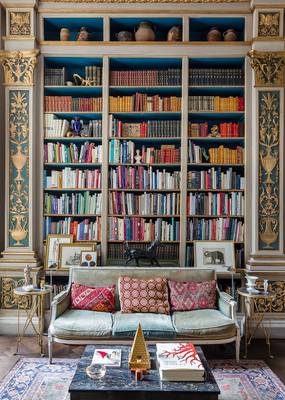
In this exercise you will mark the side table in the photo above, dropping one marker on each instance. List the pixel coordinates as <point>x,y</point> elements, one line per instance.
<point>37,309</point>
<point>254,315</point>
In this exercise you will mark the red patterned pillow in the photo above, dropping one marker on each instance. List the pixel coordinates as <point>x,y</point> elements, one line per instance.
<point>138,295</point>
<point>188,296</point>
<point>93,299</point>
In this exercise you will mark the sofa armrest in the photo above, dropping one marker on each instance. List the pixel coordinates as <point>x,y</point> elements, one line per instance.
<point>227,305</point>
<point>59,304</point>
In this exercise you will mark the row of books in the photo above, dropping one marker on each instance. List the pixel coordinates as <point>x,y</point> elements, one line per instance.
<point>69,178</point>
<point>215,229</point>
<point>215,178</point>
<point>81,230</point>
<point>142,102</point>
<point>93,73</point>
<point>215,204</point>
<point>216,77</point>
<point>215,155</point>
<point>137,228</point>
<point>63,153</point>
<point>124,151</point>
<point>55,76</point>
<point>154,77</point>
<point>116,251</point>
<point>150,128</point>
<point>70,104</point>
<point>139,177</point>
<point>216,103</point>
<point>144,204</point>
<point>224,129</point>
<point>75,203</point>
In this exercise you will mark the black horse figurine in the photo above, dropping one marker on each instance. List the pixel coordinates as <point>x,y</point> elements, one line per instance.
<point>137,254</point>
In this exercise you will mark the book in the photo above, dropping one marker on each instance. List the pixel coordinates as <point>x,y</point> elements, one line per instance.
<point>179,362</point>
<point>108,357</point>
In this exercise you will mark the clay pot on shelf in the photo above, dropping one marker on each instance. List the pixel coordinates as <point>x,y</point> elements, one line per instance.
<point>175,34</point>
<point>214,35</point>
<point>145,32</point>
<point>230,35</point>
<point>83,35</point>
<point>64,34</point>
<point>124,36</point>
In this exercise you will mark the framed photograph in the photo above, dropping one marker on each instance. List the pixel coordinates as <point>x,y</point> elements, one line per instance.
<point>70,254</point>
<point>88,259</point>
<point>52,249</point>
<point>218,255</point>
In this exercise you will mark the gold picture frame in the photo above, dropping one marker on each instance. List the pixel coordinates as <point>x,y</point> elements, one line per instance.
<point>55,240</point>
<point>72,259</point>
<point>221,257</point>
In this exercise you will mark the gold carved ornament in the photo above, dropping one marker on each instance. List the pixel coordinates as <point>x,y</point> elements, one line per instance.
<point>20,23</point>
<point>268,67</point>
<point>19,66</point>
<point>8,299</point>
<point>278,303</point>
<point>268,24</point>
<point>144,1</point>
<point>269,195</point>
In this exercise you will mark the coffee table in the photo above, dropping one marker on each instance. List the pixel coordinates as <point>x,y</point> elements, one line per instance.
<point>119,383</point>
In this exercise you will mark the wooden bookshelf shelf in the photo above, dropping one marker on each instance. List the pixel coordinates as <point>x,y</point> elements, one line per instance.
<point>216,164</point>
<point>147,165</point>
<point>145,190</point>
<point>73,215</point>
<point>147,138</point>
<point>144,241</point>
<point>72,87</point>
<point>144,216</point>
<point>214,216</point>
<point>72,190</point>
<point>73,164</point>
<point>215,190</point>
<point>216,139</point>
<point>74,139</point>
<point>146,87</point>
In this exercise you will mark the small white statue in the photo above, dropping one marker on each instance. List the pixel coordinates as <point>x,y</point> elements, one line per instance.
<point>265,285</point>
<point>138,157</point>
<point>27,276</point>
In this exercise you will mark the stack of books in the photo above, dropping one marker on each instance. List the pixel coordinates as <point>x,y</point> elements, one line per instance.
<point>94,73</point>
<point>54,76</point>
<point>179,362</point>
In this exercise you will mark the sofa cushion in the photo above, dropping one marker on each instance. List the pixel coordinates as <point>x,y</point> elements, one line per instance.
<point>82,323</point>
<point>144,296</point>
<point>94,299</point>
<point>153,325</point>
<point>211,324</point>
<point>188,296</point>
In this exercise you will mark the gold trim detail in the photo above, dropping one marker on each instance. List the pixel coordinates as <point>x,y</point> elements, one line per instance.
<point>278,303</point>
<point>8,299</point>
<point>143,1</point>
<point>19,66</point>
<point>20,23</point>
<point>268,67</point>
<point>268,24</point>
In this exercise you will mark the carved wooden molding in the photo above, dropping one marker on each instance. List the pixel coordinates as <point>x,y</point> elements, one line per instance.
<point>20,23</point>
<point>268,67</point>
<point>19,66</point>
<point>268,24</point>
<point>144,1</point>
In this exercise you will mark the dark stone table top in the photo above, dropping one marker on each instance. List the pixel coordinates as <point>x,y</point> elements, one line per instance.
<point>120,380</point>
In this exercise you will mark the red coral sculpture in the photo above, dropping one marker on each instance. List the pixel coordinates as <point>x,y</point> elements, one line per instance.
<point>185,352</point>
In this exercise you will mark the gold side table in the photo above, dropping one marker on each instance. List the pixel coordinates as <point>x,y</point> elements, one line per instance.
<point>254,315</point>
<point>38,297</point>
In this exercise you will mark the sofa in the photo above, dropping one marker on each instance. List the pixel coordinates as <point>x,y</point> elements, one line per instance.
<point>206,326</point>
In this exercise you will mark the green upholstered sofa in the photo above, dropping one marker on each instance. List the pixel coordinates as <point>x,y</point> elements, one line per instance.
<point>72,326</point>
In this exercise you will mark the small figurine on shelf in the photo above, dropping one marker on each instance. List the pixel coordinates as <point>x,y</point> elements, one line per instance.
<point>64,34</point>
<point>83,35</point>
<point>27,276</point>
<point>214,131</point>
<point>175,34</point>
<point>230,35</point>
<point>138,157</point>
<point>76,126</point>
<point>124,36</point>
<point>214,35</point>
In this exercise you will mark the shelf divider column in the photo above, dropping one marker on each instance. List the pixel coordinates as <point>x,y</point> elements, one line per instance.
<point>184,156</point>
<point>105,159</point>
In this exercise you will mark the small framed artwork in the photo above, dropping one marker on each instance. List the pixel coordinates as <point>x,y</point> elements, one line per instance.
<point>52,249</point>
<point>218,255</point>
<point>70,254</point>
<point>88,259</point>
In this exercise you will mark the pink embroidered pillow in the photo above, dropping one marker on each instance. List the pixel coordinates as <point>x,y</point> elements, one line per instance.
<point>188,296</point>
<point>138,295</point>
<point>93,299</point>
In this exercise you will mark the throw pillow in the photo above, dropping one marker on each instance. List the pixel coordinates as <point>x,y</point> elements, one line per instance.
<point>93,299</point>
<point>145,296</point>
<point>188,296</point>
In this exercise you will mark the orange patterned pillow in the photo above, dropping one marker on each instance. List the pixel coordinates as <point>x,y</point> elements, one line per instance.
<point>138,295</point>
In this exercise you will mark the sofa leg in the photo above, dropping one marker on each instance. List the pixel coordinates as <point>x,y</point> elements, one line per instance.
<point>50,348</point>
<point>237,348</point>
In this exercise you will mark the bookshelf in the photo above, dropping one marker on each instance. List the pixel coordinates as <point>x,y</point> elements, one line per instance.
<point>132,172</point>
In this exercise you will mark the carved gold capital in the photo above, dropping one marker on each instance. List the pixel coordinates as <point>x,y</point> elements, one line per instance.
<point>268,24</point>
<point>19,66</point>
<point>268,67</point>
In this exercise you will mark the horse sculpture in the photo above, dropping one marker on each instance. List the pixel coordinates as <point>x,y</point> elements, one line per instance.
<point>137,254</point>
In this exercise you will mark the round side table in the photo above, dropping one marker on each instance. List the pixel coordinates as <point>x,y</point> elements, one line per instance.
<point>254,315</point>
<point>37,309</point>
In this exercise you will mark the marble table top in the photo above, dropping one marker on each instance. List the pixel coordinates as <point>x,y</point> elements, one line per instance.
<point>121,380</point>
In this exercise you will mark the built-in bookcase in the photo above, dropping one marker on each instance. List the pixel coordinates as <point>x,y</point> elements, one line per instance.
<point>162,154</point>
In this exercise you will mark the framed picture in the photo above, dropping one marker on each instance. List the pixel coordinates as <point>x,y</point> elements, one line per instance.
<point>70,254</point>
<point>218,255</point>
<point>52,249</point>
<point>88,258</point>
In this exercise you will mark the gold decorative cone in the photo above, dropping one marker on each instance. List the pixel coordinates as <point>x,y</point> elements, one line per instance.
<point>139,355</point>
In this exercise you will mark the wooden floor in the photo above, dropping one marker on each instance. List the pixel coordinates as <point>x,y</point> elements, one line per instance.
<point>29,348</point>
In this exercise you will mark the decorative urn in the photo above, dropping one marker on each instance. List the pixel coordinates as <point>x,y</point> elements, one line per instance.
<point>145,32</point>
<point>214,35</point>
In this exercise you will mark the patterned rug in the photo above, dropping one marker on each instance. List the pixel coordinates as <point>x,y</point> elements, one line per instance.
<point>35,379</point>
